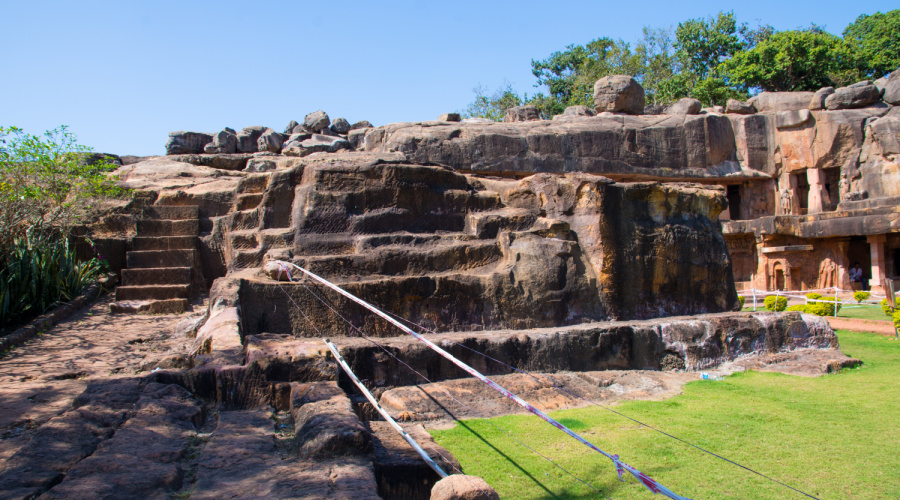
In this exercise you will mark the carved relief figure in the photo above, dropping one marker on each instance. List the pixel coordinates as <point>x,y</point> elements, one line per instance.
<point>786,208</point>
<point>827,273</point>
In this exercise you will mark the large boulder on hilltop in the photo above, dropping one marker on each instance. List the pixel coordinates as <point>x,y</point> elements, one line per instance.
<point>781,101</point>
<point>522,114</point>
<point>247,138</point>
<point>183,142</point>
<point>619,94</point>
<point>578,111</point>
<point>857,95</point>
<point>314,143</point>
<point>892,89</point>
<point>317,121</point>
<point>733,106</point>
<point>818,100</point>
<point>224,142</point>
<point>361,124</point>
<point>270,141</point>
<point>290,127</point>
<point>685,106</point>
<point>340,126</point>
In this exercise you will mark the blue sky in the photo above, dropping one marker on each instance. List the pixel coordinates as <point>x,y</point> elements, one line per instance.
<point>123,74</point>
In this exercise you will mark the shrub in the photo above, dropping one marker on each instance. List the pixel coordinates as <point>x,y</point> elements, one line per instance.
<point>797,307</point>
<point>39,275</point>
<point>860,296</point>
<point>897,320</point>
<point>775,303</point>
<point>741,301</point>
<point>813,295</point>
<point>821,308</point>
<point>830,302</point>
<point>885,307</point>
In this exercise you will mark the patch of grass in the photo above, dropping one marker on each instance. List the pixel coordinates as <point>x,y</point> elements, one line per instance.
<point>834,437</point>
<point>869,311</point>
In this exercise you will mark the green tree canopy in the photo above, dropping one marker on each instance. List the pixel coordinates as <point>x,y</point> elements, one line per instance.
<point>876,38</point>
<point>793,61</point>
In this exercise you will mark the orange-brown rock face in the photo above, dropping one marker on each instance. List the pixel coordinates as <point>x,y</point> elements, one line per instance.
<point>459,252</point>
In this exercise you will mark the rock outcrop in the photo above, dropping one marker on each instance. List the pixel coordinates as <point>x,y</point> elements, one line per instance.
<point>618,94</point>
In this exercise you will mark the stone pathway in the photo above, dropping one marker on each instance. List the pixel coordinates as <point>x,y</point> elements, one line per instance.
<point>40,379</point>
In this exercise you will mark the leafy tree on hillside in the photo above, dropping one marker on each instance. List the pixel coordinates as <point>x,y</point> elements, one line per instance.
<point>877,40</point>
<point>492,106</point>
<point>793,61</point>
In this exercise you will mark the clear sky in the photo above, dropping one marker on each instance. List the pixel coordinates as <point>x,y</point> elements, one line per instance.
<point>122,74</point>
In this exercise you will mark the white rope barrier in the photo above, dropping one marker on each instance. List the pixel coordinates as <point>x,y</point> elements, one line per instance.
<point>409,439</point>
<point>621,467</point>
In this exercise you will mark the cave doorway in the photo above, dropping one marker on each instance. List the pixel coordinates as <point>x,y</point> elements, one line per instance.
<point>734,202</point>
<point>778,276</point>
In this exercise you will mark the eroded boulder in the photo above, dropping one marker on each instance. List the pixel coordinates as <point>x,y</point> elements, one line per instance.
<point>781,101</point>
<point>522,114</point>
<point>316,121</point>
<point>181,142</point>
<point>618,94</point>
<point>733,106</point>
<point>340,126</point>
<point>857,95</point>
<point>463,487</point>
<point>270,141</point>
<point>684,106</point>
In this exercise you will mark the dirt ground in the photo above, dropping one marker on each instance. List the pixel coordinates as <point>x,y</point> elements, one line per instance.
<point>40,379</point>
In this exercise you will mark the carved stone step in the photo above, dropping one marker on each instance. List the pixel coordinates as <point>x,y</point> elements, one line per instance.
<point>152,227</point>
<point>160,258</point>
<point>164,243</point>
<point>172,212</point>
<point>153,292</point>
<point>168,306</point>
<point>156,276</point>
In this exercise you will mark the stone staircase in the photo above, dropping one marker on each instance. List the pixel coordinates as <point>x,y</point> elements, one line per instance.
<point>162,266</point>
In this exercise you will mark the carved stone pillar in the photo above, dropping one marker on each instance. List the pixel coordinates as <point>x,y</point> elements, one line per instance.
<point>818,196</point>
<point>876,245</point>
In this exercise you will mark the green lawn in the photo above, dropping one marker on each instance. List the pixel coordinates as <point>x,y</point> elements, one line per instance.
<point>835,436</point>
<point>866,311</point>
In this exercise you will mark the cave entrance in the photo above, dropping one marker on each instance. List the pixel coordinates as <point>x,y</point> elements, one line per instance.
<point>803,192</point>
<point>734,202</point>
<point>778,276</point>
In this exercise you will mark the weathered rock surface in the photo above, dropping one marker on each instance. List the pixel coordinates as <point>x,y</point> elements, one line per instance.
<point>223,142</point>
<point>361,124</point>
<point>855,96</point>
<point>449,117</point>
<point>684,106</point>
<point>340,126</point>
<point>892,89</point>
<point>248,137</point>
<point>781,101</point>
<point>818,99</point>
<point>618,94</point>
<point>187,142</point>
<point>270,141</point>
<point>790,119</point>
<point>461,487</point>
<point>634,147</point>
<point>316,121</point>
<point>521,114</point>
<point>578,111</point>
<point>733,106</point>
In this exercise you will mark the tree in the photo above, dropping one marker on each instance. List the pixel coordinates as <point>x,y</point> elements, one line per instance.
<point>704,43</point>
<point>793,61</point>
<point>876,38</point>
<point>46,183</point>
<point>492,106</point>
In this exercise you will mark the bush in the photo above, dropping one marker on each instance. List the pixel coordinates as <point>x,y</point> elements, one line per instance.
<point>48,185</point>
<point>39,275</point>
<point>830,302</point>
<point>813,295</point>
<point>885,307</point>
<point>774,303</point>
<point>797,307</point>
<point>860,296</point>
<point>822,308</point>
<point>741,300</point>
<point>897,320</point>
